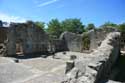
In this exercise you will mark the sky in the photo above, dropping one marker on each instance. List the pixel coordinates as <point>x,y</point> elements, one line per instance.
<point>89,11</point>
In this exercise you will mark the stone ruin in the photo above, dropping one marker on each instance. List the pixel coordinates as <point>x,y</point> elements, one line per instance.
<point>70,64</point>
<point>3,41</point>
<point>24,38</point>
<point>97,67</point>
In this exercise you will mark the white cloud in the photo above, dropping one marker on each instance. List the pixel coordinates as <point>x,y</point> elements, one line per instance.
<point>9,18</point>
<point>47,3</point>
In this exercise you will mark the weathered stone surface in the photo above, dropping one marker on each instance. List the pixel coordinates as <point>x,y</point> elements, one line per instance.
<point>46,78</point>
<point>85,68</point>
<point>58,45</point>
<point>6,60</point>
<point>122,41</point>
<point>69,65</point>
<point>29,37</point>
<point>72,41</point>
<point>11,72</point>
<point>98,35</point>
<point>52,70</point>
<point>2,49</point>
<point>98,66</point>
<point>36,70</point>
<point>67,55</point>
<point>3,41</point>
<point>46,65</point>
<point>3,34</point>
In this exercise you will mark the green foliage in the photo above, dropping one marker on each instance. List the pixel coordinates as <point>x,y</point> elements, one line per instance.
<point>86,42</point>
<point>37,24</point>
<point>90,26</point>
<point>109,24</point>
<point>40,25</point>
<point>54,28</point>
<point>73,25</point>
<point>121,27</point>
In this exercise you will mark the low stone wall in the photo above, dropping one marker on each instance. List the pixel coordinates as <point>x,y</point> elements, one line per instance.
<point>110,48</point>
<point>97,66</point>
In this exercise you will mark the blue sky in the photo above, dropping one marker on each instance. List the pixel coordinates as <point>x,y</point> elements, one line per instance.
<point>89,11</point>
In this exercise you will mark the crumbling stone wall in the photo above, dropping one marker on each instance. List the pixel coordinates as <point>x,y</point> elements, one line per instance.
<point>31,38</point>
<point>3,34</point>
<point>98,35</point>
<point>123,41</point>
<point>96,68</point>
<point>73,41</point>
<point>58,45</point>
<point>3,41</point>
<point>2,49</point>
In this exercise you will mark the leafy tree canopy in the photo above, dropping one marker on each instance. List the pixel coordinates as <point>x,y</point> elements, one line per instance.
<point>121,27</point>
<point>54,28</point>
<point>90,26</point>
<point>40,24</point>
<point>109,24</point>
<point>73,25</point>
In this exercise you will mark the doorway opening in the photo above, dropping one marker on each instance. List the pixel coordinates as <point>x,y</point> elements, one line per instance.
<point>19,48</point>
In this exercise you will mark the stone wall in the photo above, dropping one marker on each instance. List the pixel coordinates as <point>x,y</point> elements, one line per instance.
<point>73,41</point>
<point>96,68</point>
<point>123,41</point>
<point>98,35</point>
<point>31,38</point>
<point>3,34</point>
<point>3,40</point>
<point>58,45</point>
<point>3,49</point>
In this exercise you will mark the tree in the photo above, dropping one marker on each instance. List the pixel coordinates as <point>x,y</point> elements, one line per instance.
<point>40,25</point>
<point>73,25</point>
<point>121,27</point>
<point>54,28</point>
<point>90,26</point>
<point>109,24</point>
